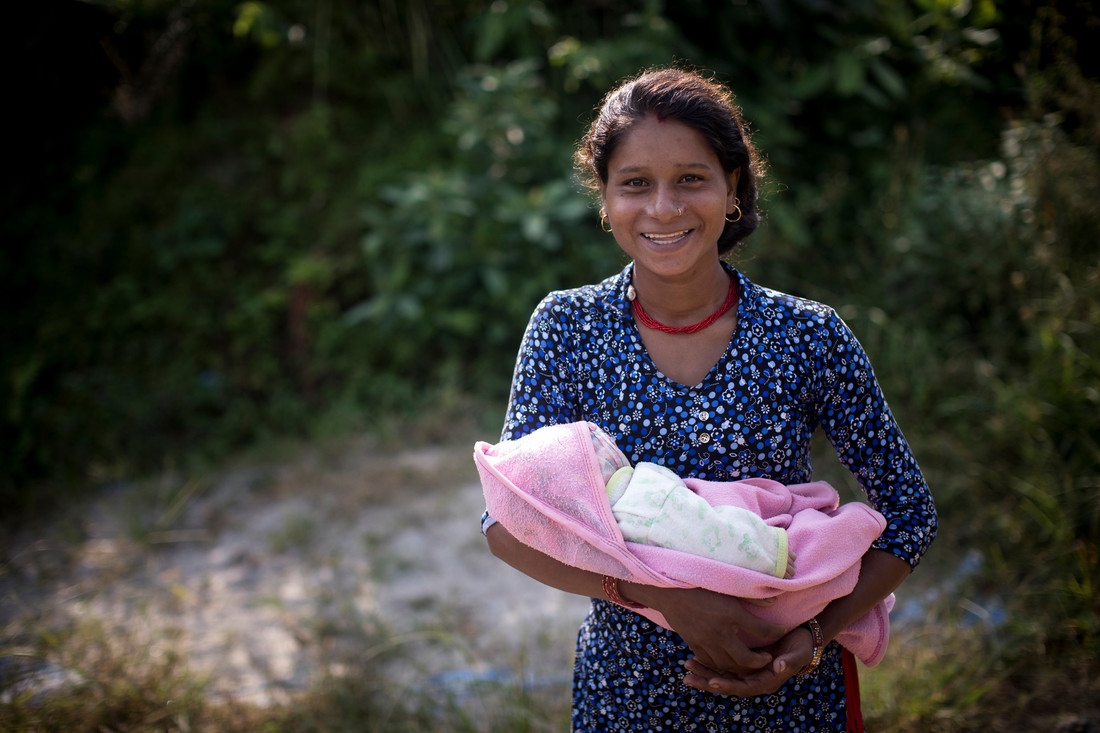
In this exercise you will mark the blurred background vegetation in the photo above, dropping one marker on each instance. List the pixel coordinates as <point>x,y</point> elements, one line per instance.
<point>226,222</point>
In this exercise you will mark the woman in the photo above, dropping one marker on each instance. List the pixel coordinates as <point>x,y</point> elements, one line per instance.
<point>688,364</point>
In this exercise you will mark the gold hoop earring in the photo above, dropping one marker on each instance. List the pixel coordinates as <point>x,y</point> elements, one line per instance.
<point>605,223</point>
<point>736,201</point>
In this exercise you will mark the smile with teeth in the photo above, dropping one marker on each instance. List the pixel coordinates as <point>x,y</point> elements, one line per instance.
<point>667,238</point>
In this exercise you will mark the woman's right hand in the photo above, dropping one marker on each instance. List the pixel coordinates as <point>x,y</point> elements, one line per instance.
<point>710,624</point>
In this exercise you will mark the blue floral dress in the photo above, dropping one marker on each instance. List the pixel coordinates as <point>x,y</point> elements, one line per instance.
<point>792,366</point>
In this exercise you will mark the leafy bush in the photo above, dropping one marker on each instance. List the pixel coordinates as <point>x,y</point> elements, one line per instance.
<point>1013,323</point>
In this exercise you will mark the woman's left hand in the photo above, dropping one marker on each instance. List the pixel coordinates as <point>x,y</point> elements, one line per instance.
<point>790,654</point>
<point>880,574</point>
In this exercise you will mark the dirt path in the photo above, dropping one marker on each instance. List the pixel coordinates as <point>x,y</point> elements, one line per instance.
<point>269,576</point>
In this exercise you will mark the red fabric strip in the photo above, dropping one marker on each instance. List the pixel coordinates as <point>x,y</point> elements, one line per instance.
<point>851,692</point>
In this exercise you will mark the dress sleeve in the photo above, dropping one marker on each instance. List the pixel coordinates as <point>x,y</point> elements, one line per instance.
<point>542,392</point>
<point>857,420</point>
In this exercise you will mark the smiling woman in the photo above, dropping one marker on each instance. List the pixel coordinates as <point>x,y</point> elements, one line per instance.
<point>666,200</point>
<point>659,359</point>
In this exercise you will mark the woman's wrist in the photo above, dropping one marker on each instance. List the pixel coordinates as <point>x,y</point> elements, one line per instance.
<point>880,574</point>
<point>635,593</point>
<point>613,591</point>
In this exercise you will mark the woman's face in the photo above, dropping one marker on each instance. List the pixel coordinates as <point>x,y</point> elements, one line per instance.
<point>666,198</point>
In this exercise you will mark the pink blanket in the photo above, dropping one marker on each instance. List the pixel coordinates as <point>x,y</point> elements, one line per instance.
<point>550,495</point>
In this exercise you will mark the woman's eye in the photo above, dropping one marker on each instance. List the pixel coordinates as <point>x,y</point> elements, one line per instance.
<point>635,182</point>
<point>691,178</point>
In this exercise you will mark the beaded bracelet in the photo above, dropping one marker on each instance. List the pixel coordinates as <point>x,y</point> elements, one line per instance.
<point>611,590</point>
<point>819,645</point>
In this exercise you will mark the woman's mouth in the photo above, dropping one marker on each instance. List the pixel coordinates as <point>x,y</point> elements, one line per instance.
<point>670,238</point>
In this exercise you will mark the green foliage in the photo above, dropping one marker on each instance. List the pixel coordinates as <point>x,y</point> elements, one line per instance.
<point>288,239</point>
<point>1016,395</point>
<point>458,255</point>
<point>1047,403</point>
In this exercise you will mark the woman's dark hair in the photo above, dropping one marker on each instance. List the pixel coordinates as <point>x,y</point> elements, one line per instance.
<point>687,97</point>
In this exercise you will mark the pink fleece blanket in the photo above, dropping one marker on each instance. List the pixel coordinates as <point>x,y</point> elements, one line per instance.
<point>549,494</point>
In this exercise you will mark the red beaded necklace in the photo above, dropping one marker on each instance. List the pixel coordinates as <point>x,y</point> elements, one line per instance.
<point>648,321</point>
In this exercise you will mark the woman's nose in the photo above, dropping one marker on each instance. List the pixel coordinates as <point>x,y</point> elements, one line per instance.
<point>664,204</point>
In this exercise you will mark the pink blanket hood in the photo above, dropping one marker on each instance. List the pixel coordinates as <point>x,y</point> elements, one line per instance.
<point>550,496</point>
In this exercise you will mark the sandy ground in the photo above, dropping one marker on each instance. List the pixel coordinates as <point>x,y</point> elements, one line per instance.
<point>269,576</point>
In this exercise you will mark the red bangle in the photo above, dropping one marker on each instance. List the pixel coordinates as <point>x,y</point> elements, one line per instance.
<point>611,590</point>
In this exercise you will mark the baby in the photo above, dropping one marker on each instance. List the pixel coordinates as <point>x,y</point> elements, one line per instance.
<point>653,506</point>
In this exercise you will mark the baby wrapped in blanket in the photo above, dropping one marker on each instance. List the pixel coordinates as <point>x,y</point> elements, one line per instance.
<point>654,506</point>
<point>556,491</point>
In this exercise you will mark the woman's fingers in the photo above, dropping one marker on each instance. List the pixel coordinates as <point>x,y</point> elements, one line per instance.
<point>726,653</point>
<point>746,659</point>
<point>713,626</point>
<point>757,682</point>
<point>790,655</point>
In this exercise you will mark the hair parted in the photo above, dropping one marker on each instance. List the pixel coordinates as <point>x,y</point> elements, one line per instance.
<point>694,100</point>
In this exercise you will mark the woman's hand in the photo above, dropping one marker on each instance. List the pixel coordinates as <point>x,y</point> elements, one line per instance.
<point>710,624</point>
<point>790,654</point>
<point>880,573</point>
